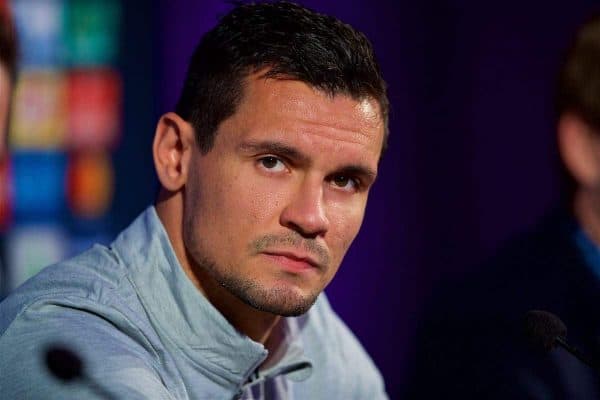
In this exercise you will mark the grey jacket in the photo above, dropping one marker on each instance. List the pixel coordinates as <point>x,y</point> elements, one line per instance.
<point>143,331</point>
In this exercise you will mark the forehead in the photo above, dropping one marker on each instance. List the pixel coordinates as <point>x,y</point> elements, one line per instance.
<point>294,110</point>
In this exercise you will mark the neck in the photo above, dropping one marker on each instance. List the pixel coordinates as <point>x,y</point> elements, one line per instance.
<point>257,325</point>
<point>587,212</point>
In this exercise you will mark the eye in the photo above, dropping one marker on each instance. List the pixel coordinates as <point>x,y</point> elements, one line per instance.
<point>272,164</point>
<point>345,182</point>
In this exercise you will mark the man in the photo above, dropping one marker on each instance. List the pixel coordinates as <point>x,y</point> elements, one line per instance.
<point>472,343</point>
<point>216,292</point>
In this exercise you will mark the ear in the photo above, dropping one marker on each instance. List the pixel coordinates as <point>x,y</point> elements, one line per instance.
<point>172,149</point>
<point>579,148</point>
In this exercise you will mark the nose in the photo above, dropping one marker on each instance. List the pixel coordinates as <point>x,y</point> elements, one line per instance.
<point>305,212</point>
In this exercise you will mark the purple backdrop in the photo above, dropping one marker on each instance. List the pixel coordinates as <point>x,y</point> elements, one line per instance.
<point>471,157</point>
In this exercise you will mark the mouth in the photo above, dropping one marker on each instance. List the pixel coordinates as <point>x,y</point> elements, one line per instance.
<point>293,261</point>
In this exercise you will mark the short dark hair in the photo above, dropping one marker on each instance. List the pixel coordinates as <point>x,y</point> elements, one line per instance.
<point>579,80</point>
<point>8,42</point>
<point>287,41</point>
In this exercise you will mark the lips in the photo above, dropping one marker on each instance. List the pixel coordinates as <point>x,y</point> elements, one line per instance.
<point>295,259</point>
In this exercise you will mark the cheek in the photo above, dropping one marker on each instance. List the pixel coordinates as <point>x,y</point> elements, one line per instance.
<point>244,208</point>
<point>259,199</point>
<point>343,230</point>
<point>345,222</point>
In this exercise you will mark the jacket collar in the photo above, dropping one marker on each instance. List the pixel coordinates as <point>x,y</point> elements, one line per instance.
<point>182,316</point>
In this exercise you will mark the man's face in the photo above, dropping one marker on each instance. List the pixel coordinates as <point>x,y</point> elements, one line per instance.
<point>5,90</point>
<point>271,210</point>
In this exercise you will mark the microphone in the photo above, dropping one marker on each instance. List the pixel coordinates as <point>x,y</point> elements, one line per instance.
<point>64,364</point>
<point>546,331</point>
<point>68,367</point>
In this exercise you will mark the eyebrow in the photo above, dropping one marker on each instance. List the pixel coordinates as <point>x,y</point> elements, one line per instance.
<point>358,170</point>
<point>274,147</point>
<point>292,153</point>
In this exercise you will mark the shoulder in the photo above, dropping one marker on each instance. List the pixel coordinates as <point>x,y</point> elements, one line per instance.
<point>108,354</point>
<point>548,243</point>
<point>537,268</point>
<point>337,354</point>
<point>91,275</point>
<point>83,304</point>
<point>470,334</point>
<point>531,268</point>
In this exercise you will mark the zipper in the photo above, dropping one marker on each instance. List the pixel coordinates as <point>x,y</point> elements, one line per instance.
<point>253,370</point>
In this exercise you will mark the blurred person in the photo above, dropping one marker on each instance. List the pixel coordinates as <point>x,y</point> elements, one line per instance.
<point>7,70</point>
<point>471,343</point>
<point>216,291</point>
<point>8,53</point>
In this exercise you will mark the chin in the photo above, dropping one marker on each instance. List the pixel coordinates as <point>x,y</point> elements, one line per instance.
<point>284,310</point>
<point>282,299</point>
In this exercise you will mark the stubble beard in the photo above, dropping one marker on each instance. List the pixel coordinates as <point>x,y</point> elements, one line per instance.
<point>280,299</point>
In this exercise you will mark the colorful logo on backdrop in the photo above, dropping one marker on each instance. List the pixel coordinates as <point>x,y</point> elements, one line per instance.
<point>94,109</point>
<point>90,183</point>
<point>39,184</point>
<point>59,110</point>
<point>32,247</point>
<point>39,113</point>
<point>93,27</point>
<point>65,120</point>
<point>54,33</point>
<point>5,193</point>
<point>40,28</point>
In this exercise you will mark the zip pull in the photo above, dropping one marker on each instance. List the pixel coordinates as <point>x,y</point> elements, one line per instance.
<point>256,378</point>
